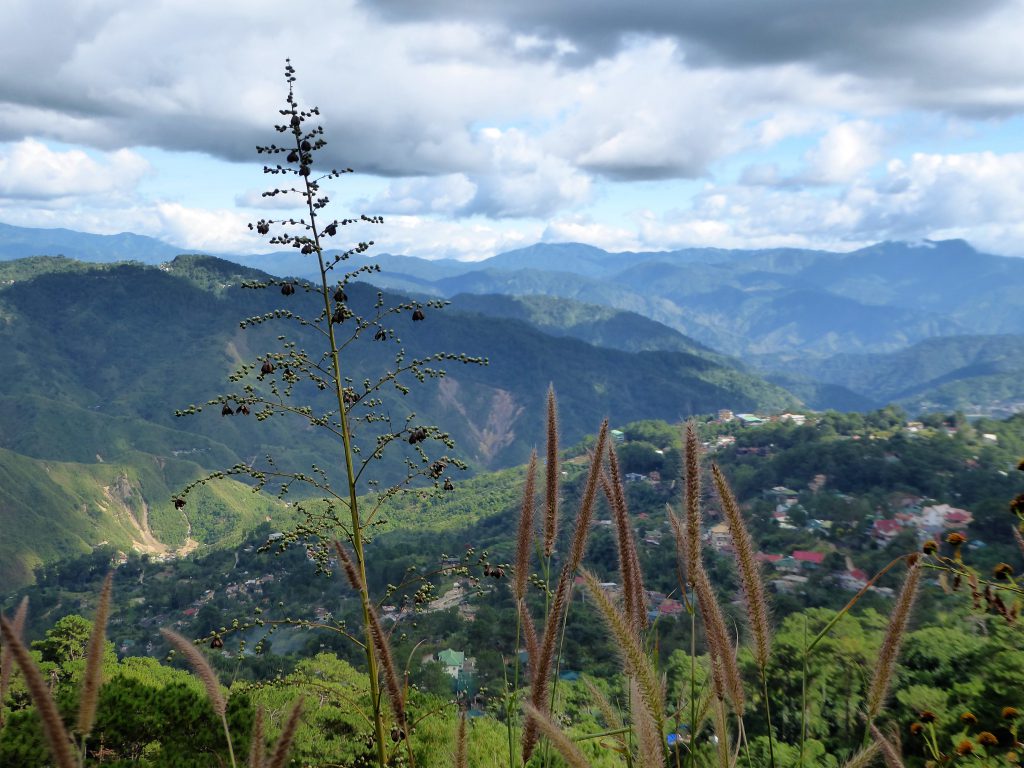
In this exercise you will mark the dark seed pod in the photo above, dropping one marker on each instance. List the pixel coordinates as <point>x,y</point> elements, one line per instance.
<point>418,315</point>
<point>243,409</point>
<point>305,146</point>
<point>380,335</point>
<point>437,469</point>
<point>331,230</point>
<point>340,295</point>
<point>448,485</point>
<point>418,435</point>
<point>293,156</point>
<point>296,121</point>
<point>268,367</point>
<point>287,289</point>
<point>216,642</point>
<point>226,410</point>
<point>339,315</point>
<point>179,503</point>
<point>304,170</point>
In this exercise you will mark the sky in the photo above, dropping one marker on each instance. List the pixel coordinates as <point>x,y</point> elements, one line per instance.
<point>476,127</point>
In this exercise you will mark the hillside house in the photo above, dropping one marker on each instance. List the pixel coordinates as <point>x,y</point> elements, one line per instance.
<point>886,530</point>
<point>452,661</point>
<point>719,537</point>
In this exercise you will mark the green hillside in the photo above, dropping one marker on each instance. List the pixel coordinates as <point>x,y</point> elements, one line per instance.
<point>51,509</point>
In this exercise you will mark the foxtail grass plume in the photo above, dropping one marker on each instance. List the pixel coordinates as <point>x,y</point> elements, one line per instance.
<point>524,538</point>
<point>565,746</point>
<point>863,757</point>
<point>551,471</point>
<point>284,741</point>
<point>885,665</point>
<point>650,752</point>
<point>256,746</point>
<point>750,575</point>
<point>890,754</point>
<point>57,738</point>
<point>723,657</point>
<point>541,670</point>
<point>381,646</point>
<point>94,661</point>
<point>629,562</point>
<point>6,657</point>
<point>1019,539</point>
<point>612,720</point>
<point>692,486</point>
<point>201,667</point>
<point>634,661</point>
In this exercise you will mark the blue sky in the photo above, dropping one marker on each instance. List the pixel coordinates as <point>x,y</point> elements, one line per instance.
<point>481,126</point>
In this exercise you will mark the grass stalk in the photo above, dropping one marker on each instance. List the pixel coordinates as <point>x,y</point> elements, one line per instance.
<point>6,656</point>
<point>202,669</point>
<point>893,640</point>
<point>53,727</point>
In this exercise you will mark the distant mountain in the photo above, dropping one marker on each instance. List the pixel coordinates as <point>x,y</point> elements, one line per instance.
<point>20,242</point>
<point>98,357</point>
<point>775,301</point>
<point>599,325</point>
<point>977,374</point>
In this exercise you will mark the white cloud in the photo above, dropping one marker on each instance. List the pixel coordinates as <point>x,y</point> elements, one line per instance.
<point>29,170</point>
<point>844,152</point>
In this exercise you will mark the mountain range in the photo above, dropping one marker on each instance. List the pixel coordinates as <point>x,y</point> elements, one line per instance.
<point>99,353</point>
<point>99,356</point>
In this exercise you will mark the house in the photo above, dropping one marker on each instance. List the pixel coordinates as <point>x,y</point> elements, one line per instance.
<point>767,559</point>
<point>725,414</point>
<point>807,558</point>
<point>797,418</point>
<point>853,580</point>
<point>719,537</point>
<point>749,420</point>
<point>938,516</point>
<point>618,435</point>
<point>452,661</point>
<point>670,607</point>
<point>814,525</point>
<point>886,530</point>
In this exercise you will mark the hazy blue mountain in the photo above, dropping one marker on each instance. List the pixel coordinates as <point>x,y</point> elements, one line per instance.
<point>877,299</point>
<point>971,373</point>
<point>20,242</point>
<point>135,342</point>
<point>592,323</point>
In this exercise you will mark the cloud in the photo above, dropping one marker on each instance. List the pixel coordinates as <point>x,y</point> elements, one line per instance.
<point>843,153</point>
<point>903,46</point>
<point>29,170</point>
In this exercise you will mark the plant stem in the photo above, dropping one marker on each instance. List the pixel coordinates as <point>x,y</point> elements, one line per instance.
<point>353,501</point>
<point>768,718</point>
<point>227,736</point>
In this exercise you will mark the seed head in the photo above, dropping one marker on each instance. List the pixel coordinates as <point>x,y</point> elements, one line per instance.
<point>969,718</point>
<point>987,739</point>
<point>930,547</point>
<point>956,538</point>
<point>965,747</point>
<point>1003,571</point>
<point>1010,713</point>
<point>926,716</point>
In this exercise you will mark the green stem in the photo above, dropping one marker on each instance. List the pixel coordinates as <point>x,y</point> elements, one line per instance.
<point>692,758</point>
<point>768,718</point>
<point>803,698</point>
<point>227,736</point>
<point>353,502</point>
